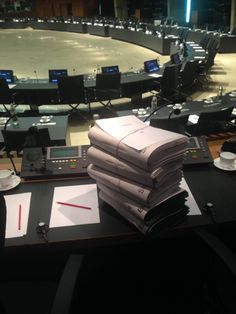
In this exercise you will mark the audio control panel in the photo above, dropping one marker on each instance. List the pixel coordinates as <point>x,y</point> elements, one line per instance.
<point>56,161</point>
<point>197,152</point>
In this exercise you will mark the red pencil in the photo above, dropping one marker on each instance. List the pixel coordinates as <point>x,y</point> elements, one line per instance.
<point>73,205</point>
<point>19,217</point>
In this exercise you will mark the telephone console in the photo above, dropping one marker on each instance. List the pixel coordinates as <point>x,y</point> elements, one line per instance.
<point>197,152</point>
<point>55,161</point>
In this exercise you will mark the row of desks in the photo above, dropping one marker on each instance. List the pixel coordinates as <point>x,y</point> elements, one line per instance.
<point>150,41</point>
<point>206,182</point>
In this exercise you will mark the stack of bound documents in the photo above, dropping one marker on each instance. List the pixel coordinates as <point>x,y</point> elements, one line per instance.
<point>138,171</point>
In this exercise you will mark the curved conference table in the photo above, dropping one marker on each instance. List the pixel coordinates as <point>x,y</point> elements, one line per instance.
<point>37,92</point>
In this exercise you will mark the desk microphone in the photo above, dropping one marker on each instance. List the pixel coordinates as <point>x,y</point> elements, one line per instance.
<point>176,110</point>
<point>157,107</point>
<point>36,75</point>
<point>12,116</point>
<point>73,71</point>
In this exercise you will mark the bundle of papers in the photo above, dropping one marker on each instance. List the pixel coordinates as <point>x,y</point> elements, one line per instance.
<point>128,170</point>
<point>167,214</point>
<point>132,140</point>
<point>138,171</point>
<point>138,192</point>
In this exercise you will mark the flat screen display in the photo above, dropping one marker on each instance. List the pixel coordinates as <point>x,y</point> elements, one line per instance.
<point>54,74</point>
<point>193,143</point>
<point>7,75</point>
<point>60,152</point>
<point>110,69</point>
<point>151,66</point>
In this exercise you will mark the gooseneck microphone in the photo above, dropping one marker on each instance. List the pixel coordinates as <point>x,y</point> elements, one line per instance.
<point>36,75</point>
<point>157,108</point>
<point>175,111</point>
<point>12,117</point>
<point>153,112</point>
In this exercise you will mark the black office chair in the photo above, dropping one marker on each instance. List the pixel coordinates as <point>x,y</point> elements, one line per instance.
<point>176,124</point>
<point>168,87</point>
<point>108,87</point>
<point>188,75</point>
<point>30,285</point>
<point>72,91</point>
<point>6,96</point>
<point>17,140</point>
<point>212,122</point>
<point>204,68</point>
<point>221,274</point>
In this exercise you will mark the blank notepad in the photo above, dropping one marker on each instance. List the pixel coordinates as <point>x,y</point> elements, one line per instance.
<point>74,205</point>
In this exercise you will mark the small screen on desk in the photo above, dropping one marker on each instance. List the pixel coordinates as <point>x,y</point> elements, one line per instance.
<point>193,143</point>
<point>63,152</point>
<point>7,75</point>
<point>54,74</point>
<point>110,69</point>
<point>151,66</point>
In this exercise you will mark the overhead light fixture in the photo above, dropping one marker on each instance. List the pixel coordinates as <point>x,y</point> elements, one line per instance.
<point>188,9</point>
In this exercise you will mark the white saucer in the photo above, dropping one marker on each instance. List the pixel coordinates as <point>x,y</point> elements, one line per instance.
<point>218,164</point>
<point>45,119</point>
<point>232,94</point>
<point>15,181</point>
<point>208,101</point>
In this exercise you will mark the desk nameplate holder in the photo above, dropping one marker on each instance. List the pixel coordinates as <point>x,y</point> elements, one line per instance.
<point>58,161</point>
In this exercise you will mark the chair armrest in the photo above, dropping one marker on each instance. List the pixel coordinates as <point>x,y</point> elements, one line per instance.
<point>65,290</point>
<point>219,248</point>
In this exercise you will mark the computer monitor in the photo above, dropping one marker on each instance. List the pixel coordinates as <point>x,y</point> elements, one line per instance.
<point>7,75</point>
<point>54,74</point>
<point>151,66</point>
<point>110,69</point>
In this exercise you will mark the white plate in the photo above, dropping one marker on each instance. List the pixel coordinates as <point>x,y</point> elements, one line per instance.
<point>45,120</point>
<point>15,181</point>
<point>218,164</point>
<point>208,101</point>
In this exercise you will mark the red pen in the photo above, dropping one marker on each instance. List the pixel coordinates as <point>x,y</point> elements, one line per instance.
<point>73,205</point>
<point>19,217</point>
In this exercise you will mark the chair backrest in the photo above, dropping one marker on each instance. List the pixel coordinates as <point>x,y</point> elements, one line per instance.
<point>176,124</point>
<point>213,121</point>
<point>108,86</point>
<point>188,74</point>
<point>175,59</point>
<point>71,89</point>
<point>170,79</point>
<point>5,92</point>
<point>16,140</point>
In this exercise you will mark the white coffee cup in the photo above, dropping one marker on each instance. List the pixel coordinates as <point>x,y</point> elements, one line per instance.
<point>227,159</point>
<point>5,178</point>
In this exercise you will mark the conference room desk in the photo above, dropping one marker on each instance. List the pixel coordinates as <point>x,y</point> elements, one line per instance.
<point>57,128</point>
<point>153,42</point>
<point>40,91</point>
<point>189,108</point>
<point>98,30</point>
<point>206,182</point>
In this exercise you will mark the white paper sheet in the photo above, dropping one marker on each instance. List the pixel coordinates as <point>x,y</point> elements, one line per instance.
<point>134,133</point>
<point>11,85</point>
<point>193,118</point>
<point>155,75</point>
<point>77,195</point>
<point>120,127</point>
<point>18,206</point>
<point>191,203</point>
